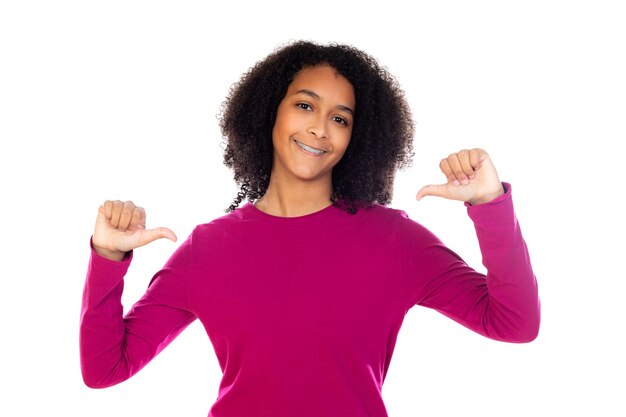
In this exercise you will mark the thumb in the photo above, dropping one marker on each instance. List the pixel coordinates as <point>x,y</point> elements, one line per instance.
<point>432,190</point>
<point>151,235</point>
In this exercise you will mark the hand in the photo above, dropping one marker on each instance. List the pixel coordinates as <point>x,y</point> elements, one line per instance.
<point>471,178</point>
<point>121,227</point>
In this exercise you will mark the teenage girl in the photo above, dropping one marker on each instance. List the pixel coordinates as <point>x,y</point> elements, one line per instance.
<point>303,289</point>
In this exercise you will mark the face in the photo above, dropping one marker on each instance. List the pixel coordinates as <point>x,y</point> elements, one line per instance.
<point>313,125</point>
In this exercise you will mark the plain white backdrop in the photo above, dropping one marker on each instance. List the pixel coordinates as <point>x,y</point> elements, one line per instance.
<point>118,100</point>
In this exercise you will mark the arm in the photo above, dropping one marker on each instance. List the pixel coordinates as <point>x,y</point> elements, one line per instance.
<point>113,347</point>
<point>504,304</point>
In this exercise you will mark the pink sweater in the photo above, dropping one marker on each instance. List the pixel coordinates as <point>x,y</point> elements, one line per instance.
<point>303,312</point>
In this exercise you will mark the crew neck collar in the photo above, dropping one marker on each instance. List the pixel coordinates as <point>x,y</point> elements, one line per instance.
<point>259,213</point>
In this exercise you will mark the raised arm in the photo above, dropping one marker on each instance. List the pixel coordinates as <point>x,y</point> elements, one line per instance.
<point>504,303</point>
<point>113,347</point>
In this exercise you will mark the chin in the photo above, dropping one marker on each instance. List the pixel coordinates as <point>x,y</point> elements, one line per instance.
<point>310,176</point>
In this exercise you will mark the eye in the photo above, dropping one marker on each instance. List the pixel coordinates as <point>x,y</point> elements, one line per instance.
<point>340,120</point>
<point>304,106</point>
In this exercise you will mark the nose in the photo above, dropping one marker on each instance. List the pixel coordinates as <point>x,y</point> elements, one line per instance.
<point>317,127</point>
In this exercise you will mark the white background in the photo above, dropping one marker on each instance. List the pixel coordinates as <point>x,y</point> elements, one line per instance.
<point>118,100</point>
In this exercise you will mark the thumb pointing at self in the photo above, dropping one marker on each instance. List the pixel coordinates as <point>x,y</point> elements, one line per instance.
<point>151,235</point>
<point>431,190</point>
<point>471,177</point>
<point>121,227</point>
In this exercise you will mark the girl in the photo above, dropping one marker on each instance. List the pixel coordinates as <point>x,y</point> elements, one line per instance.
<point>302,290</point>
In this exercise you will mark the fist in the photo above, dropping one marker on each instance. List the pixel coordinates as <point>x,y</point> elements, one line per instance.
<point>471,177</point>
<point>121,227</point>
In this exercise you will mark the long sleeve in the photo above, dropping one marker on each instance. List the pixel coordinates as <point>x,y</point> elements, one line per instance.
<point>504,304</point>
<point>114,347</point>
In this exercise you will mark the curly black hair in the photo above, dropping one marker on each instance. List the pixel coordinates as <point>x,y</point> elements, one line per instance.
<point>382,135</point>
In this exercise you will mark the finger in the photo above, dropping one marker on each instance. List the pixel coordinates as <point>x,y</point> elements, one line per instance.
<point>101,218</point>
<point>432,190</point>
<point>126,216</point>
<point>466,165</point>
<point>459,176</point>
<point>138,220</point>
<point>116,212</point>
<point>157,233</point>
<point>108,209</point>
<point>445,167</point>
<point>477,156</point>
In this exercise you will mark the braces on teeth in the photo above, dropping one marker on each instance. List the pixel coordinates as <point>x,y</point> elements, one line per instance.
<point>308,148</point>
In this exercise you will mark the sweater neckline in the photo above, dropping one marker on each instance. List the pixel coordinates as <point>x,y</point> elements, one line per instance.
<point>259,213</point>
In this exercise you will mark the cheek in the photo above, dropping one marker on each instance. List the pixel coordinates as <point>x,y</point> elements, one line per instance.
<point>280,119</point>
<point>346,140</point>
<point>278,133</point>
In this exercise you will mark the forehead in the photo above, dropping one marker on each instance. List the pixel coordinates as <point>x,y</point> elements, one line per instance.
<point>326,82</point>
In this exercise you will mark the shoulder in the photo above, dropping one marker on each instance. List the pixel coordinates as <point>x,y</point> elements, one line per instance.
<point>408,228</point>
<point>384,223</point>
<point>378,216</point>
<point>380,213</point>
<point>218,227</point>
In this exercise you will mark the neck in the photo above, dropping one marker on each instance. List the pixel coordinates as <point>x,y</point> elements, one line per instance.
<point>286,199</point>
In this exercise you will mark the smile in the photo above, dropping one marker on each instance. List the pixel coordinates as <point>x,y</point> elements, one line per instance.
<point>310,149</point>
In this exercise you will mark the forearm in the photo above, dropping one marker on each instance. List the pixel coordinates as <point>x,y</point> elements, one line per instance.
<point>101,321</point>
<point>512,310</point>
<point>113,347</point>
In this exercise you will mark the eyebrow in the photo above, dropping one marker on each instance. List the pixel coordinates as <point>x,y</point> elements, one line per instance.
<point>316,96</point>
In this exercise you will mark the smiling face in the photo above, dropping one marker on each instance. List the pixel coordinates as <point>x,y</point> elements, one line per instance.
<point>313,125</point>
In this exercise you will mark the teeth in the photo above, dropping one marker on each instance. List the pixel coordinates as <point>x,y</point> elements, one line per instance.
<point>308,148</point>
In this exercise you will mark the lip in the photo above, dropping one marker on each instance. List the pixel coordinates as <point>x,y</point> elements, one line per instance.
<point>307,152</point>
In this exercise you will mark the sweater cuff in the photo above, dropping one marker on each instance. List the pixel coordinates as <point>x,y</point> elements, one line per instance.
<point>497,211</point>
<point>103,276</point>
<point>495,222</point>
